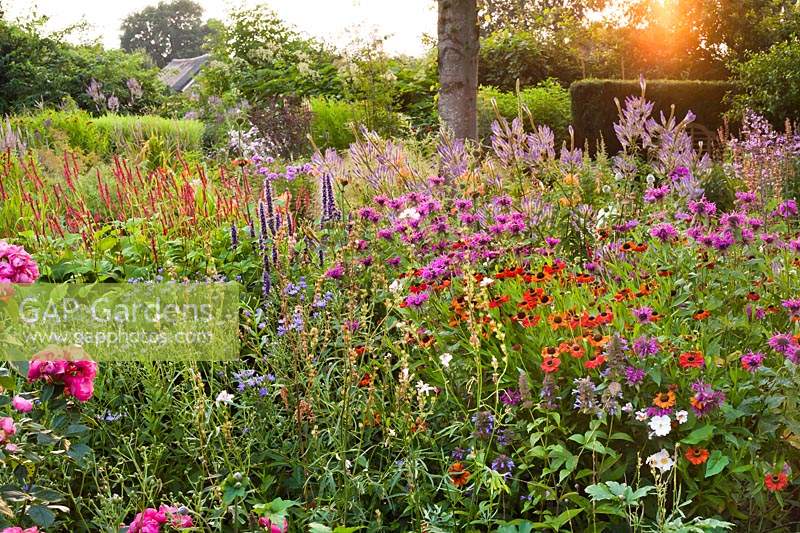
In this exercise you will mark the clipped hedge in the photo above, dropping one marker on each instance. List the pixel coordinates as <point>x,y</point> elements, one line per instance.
<point>594,111</point>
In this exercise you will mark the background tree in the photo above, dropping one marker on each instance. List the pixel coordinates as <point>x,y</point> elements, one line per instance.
<point>259,55</point>
<point>43,69</point>
<point>458,66</point>
<point>166,31</point>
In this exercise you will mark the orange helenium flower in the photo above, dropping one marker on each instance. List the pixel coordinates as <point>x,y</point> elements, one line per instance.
<point>696,456</point>
<point>550,364</point>
<point>459,475</point>
<point>664,400</point>
<point>692,360</point>
<point>776,482</point>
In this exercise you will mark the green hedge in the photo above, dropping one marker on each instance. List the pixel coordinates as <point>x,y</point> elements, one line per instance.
<point>548,103</point>
<point>594,111</point>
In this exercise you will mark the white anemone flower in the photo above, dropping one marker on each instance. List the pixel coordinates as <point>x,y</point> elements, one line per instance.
<point>661,425</point>
<point>661,461</point>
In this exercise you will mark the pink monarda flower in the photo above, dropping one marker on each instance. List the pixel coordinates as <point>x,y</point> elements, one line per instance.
<point>21,404</point>
<point>7,428</point>
<point>16,265</point>
<point>267,524</point>
<point>77,376</point>
<point>18,529</point>
<point>664,232</point>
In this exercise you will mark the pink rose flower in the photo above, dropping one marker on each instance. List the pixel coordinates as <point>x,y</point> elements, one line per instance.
<point>77,376</point>
<point>21,404</point>
<point>17,529</point>
<point>150,520</point>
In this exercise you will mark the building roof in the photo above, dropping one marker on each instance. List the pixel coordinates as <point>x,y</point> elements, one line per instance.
<point>179,73</point>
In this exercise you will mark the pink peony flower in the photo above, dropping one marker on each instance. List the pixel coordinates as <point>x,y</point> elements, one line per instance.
<point>16,265</point>
<point>21,404</point>
<point>17,529</point>
<point>7,428</point>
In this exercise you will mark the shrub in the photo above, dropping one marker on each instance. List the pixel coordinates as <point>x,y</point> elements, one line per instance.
<point>770,83</point>
<point>548,103</point>
<point>284,122</point>
<point>332,120</point>
<point>594,111</point>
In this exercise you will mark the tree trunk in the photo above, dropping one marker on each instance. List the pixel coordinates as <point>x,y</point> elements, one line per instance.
<point>458,66</point>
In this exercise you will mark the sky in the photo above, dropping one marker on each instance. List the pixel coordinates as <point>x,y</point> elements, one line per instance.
<point>403,22</point>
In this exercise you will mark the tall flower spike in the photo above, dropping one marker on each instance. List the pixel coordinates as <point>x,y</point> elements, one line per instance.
<point>234,236</point>
<point>270,208</point>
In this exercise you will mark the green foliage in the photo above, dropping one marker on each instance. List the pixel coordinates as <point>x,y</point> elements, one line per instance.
<point>126,134</point>
<point>720,188</point>
<point>335,122</point>
<point>415,91</point>
<point>507,56</point>
<point>548,103</point>
<point>166,31</point>
<point>44,70</point>
<point>594,111</point>
<point>57,130</point>
<point>104,136</point>
<point>770,83</point>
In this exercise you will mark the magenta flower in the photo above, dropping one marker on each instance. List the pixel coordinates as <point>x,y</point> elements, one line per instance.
<point>656,194</point>
<point>416,300</point>
<point>793,306</point>
<point>705,398</point>
<point>664,232</point>
<point>335,272</point>
<point>16,265</point>
<point>7,428</point>
<point>787,209</point>
<point>751,361</point>
<point>76,376</point>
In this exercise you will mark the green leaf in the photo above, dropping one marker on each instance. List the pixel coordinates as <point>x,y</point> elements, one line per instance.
<point>564,517</point>
<point>699,435</point>
<point>76,429</point>
<point>232,491</point>
<point>599,492</point>
<point>41,515</point>
<point>79,451</point>
<point>716,463</point>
